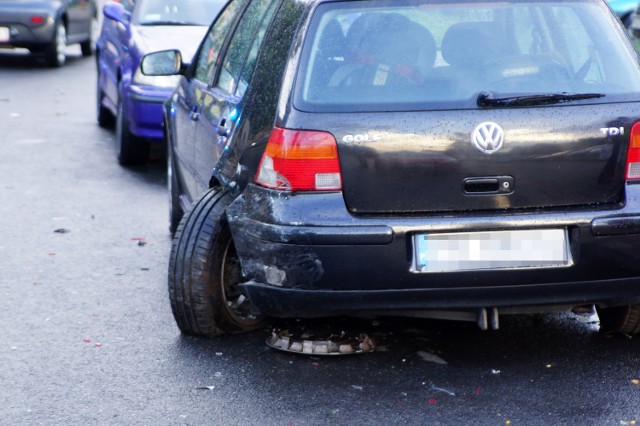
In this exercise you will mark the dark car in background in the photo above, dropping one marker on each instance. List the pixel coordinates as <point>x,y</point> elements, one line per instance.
<point>124,95</point>
<point>624,9</point>
<point>46,27</point>
<point>450,159</point>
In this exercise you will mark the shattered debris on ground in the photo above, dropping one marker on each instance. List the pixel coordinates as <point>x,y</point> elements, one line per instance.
<point>311,345</point>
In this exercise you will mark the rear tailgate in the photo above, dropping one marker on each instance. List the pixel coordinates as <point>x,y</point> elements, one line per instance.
<point>422,162</point>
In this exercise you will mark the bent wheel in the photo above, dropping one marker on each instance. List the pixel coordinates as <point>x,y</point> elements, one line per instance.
<point>620,319</point>
<point>204,273</point>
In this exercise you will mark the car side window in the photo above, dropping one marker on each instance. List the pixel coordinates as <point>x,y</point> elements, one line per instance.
<point>207,60</point>
<point>250,31</point>
<point>250,63</point>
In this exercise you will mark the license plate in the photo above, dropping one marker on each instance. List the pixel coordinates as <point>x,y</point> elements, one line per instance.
<point>4,34</point>
<point>472,251</point>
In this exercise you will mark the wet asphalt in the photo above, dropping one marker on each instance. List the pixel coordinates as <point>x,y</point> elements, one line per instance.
<point>87,335</point>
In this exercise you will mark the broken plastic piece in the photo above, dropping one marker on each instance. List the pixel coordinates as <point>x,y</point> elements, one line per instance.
<point>340,345</point>
<point>427,356</point>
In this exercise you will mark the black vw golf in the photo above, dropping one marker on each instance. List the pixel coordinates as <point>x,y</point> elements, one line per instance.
<point>438,158</point>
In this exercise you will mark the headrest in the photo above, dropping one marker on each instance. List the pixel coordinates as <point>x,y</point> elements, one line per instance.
<point>392,38</point>
<point>470,43</point>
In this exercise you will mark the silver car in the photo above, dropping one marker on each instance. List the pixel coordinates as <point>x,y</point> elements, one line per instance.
<point>48,26</point>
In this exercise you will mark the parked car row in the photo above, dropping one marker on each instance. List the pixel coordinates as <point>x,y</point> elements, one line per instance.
<point>449,159</point>
<point>125,96</point>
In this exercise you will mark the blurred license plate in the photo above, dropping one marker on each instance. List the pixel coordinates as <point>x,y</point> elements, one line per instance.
<point>4,34</point>
<point>471,251</point>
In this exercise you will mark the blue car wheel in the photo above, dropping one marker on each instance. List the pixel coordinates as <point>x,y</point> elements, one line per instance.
<point>106,120</point>
<point>132,150</point>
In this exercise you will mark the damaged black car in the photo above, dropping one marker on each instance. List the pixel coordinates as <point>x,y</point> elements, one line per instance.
<point>429,158</point>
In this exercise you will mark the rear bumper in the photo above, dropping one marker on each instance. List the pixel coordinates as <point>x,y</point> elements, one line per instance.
<point>304,255</point>
<point>29,38</point>
<point>287,302</point>
<point>22,32</point>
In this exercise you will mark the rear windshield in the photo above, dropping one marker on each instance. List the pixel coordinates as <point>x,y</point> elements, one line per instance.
<point>382,55</point>
<point>177,12</point>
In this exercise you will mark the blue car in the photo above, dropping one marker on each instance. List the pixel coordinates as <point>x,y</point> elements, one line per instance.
<point>125,97</point>
<point>624,9</point>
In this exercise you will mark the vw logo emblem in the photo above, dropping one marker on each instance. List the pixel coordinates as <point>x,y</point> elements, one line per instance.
<point>487,137</point>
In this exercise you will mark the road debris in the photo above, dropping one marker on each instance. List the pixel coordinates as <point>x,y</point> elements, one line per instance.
<point>635,382</point>
<point>62,231</point>
<point>493,371</point>
<point>332,345</point>
<point>206,387</point>
<point>428,356</point>
<point>437,389</point>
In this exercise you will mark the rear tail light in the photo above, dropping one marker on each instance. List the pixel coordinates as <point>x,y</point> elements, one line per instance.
<point>633,153</point>
<point>300,160</point>
<point>37,20</point>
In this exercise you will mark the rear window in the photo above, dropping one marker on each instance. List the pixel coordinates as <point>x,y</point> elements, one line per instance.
<point>383,55</point>
<point>177,12</point>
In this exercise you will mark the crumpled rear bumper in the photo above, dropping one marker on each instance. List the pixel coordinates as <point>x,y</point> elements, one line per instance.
<point>288,302</point>
<point>305,255</point>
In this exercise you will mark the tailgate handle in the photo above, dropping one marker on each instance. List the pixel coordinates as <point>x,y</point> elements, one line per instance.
<point>488,185</point>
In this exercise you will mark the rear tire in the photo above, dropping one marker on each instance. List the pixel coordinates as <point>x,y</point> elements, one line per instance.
<point>204,273</point>
<point>620,319</point>
<point>132,150</point>
<point>106,120</point>
<point>55,52</point>
<point>88,47</point>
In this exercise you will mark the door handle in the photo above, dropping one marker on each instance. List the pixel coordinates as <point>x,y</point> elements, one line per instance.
<point>194,114</point>
<point>223,130</point>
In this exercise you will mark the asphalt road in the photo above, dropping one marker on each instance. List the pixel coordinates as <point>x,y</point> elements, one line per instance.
<point>87,335</point>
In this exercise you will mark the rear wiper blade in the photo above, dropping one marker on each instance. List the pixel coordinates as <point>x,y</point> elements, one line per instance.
<point>490,100</point>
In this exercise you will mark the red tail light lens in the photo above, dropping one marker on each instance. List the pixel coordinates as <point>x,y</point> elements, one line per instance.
<point>37,20</point>
<point>300,160</point>
<point>633,153</point>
